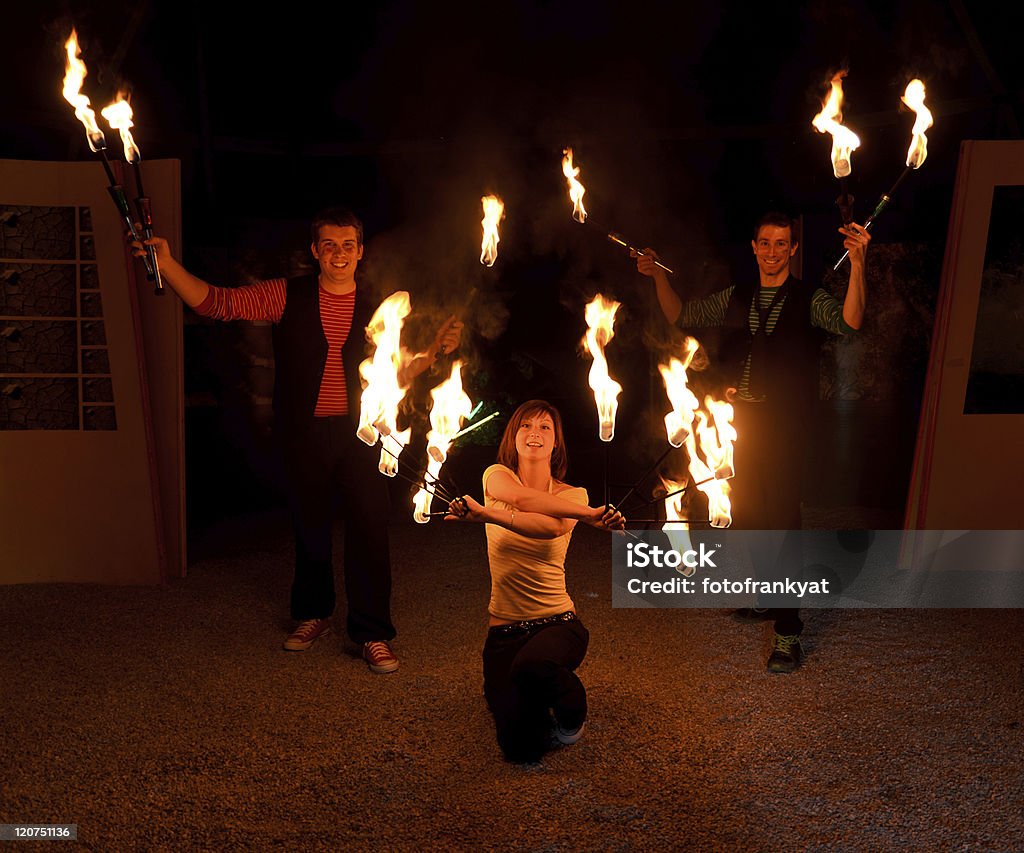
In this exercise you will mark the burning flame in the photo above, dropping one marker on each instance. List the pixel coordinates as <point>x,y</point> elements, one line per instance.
<point>576,189</point>
<point>675,527</point>
<point>913,97</point>
<point>674,498</point>
<point>684,401</point>
<point>844,140</point>
<point>600,316</point>
<point>378,408</point>
<point>119,117</point>
<point>74,76</point>
<point>717,442</point>
<point>708,435</point>
<point>717,490</point>
<point>494,211</point>
<point>451,407</point>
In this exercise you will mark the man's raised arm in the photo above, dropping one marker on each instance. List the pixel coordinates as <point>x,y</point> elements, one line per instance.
<point>668,299</point>
<point>192,290</point>
<point>856,242</point>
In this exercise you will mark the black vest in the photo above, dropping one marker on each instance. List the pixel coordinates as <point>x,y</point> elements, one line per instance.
<point>790,352</point>
<point>300,353</point>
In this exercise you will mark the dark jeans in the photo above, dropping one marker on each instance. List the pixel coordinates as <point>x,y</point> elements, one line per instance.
<point>767,487</point>
<point>326,462</point>
<point>526,674</point>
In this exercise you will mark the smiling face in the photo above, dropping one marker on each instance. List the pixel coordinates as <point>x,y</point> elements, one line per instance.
<point>535,439</point>
<point>534,434</point>
<point>339,251</point>
<point>773,249</point>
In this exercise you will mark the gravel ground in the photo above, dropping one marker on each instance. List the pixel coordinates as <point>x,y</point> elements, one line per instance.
<point>169,718</point>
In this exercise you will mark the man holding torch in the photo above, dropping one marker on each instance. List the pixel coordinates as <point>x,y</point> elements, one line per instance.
<point>319,342</point>
<point>771,335</point>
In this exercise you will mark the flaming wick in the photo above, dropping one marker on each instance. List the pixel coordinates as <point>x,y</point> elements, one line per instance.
<point>913,97</point>
<point>844,143</point>
<point>494,212</point>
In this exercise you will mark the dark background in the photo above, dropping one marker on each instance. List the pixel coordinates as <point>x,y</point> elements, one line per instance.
<point>688,120</point>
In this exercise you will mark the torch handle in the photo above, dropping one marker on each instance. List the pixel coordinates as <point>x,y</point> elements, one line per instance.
<point>867,227</point>
<point>883,203</point>
<point>622,241</point>
<point>616,237</point>
<point>146,218</point>
<point>158,282</point>
<point>121,203</point>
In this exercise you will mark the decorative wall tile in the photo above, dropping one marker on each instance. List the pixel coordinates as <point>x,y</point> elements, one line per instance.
<point>38,403</point>
<point>99,417</point>
<point>92,305</point>
<point>90,277</point>
<point>98,390</point>
<point>38,346</point>
<point>43,233</point>
<point>95,361</point>
<point>93,333</point>
<point>40,290</point>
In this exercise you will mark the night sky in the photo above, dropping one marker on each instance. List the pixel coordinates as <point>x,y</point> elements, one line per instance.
<point>688,121</point>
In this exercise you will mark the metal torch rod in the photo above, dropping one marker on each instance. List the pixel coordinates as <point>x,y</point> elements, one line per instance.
<point>883,203</point>
<point>680,491</point>
<point>106,166</point>
<point>145,209</point>
<point>421,477</point>
<point>616,237</point>
<point>647,474</point>
<point>117,195</point>
<point>670,521</point>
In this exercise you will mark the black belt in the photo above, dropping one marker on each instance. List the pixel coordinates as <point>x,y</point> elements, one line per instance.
<point>529,624</point>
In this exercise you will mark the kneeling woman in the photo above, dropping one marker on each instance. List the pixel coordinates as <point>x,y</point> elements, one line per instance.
<point>536,640</point>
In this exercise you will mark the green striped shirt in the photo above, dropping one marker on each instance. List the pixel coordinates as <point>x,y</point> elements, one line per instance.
<point>708,312</point>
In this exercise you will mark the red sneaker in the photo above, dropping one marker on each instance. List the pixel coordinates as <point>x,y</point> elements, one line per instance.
<point>306,634</point>
<point>379,657</point>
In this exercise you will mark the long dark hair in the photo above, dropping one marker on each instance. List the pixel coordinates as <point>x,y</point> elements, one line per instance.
<point>507,453</point>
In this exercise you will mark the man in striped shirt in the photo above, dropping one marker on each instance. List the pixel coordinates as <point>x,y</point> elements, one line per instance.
<point>319,342</point>
<point>771,337</point>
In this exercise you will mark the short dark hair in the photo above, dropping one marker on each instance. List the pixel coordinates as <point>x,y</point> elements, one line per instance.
<point>507,453</point>
<point>340,216</point>
<point>776,218</point>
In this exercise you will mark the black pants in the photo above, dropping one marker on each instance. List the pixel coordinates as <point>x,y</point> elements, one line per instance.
<point>526,674</point>
<point>324,463</point>
<point>766,490</point>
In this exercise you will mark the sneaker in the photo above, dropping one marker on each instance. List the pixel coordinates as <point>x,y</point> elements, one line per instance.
<point>379,657</point>
<point>786,653</point>
<point>306,634</point>
<point>566,737</point>
<point>750,615</point>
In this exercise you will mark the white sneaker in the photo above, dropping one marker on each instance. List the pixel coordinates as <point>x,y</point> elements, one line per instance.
<point>567,737</point>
